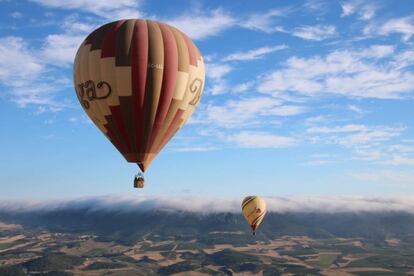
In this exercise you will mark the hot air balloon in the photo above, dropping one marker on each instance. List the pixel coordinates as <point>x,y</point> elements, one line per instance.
<point>139,81</point>
<point>254,210</point>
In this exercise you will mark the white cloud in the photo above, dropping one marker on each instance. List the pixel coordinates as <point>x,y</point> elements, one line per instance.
<point>243,87</point>
<point>346,128</point>
<point>348,8</point>
<point>400,154</point>
<point>253,54</point>
<point>261,140</point>
<point>73,24</point>
<point>298,203</point>
<point>377,51</point>
<point>216,73</point>
<point>404,59</point>
<point>60,49</point>
<point>195,149</point>
<point>315,120</point>
<point>318,32</point>
<point>356,109</point>
<point>319,7</point>
<point>367,73</point>
<point>368,154</point>
<point>354,136</point>
<point>401,148</point>
<point>264,21</point>
<point>365,11</point>
<point>198,24</point>
<point>217,70</point>
<point>369,136</point>
<point>403,25</point>
<point>387,177</point>
<point>17,63</point>
<point>111,10</point>
<point>287,110</point>
<point>25,77</point>
<point>236,113</point>
<point>367,143</point>
<point>320,159</point>
<point>38,94</point>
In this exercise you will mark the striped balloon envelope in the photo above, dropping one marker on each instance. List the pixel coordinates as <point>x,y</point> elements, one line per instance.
<point>139,81</point>
<point>254,210</point>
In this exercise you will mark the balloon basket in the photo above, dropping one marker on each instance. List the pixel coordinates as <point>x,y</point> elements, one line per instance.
<point>139,181</point>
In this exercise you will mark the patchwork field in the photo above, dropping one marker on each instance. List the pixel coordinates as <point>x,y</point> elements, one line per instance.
<point>32,251</point>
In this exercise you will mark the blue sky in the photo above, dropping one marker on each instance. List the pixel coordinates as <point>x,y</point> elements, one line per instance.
<point>301,97</point>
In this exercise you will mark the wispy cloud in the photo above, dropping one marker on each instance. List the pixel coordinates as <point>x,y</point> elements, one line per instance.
<point>374,144</point>
<point>351,73</point>
<point>353,135</point>
<point>32,74</point>
<point>369,136</point>
<point>348,8</point>
<point>247,111</point>
<point>320,159</point>
<point>403,26</point>
<point>26,77</point>
<point>260,140</point>
<point>111,10</point>
<point>254,53</point>
<point>60,49</point>
<point>195,149</point>
<point>388,177</point>
<point>217,72</point>
<point>338,129</point>
<point>318,7</point>
<point>404,59</point>
<point>200,24</point>
<point>265,22</point>
<point>317,33</point>
<point>356,109</point>
<point>365,11</point>
<point>18,65</point>
<point>243,87</point>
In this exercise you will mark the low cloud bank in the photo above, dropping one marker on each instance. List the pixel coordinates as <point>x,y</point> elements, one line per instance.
<point>299,204</point>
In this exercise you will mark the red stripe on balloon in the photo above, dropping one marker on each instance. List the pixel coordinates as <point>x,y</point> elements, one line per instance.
<point>168,80</point>
<point>254,222</point>
<point>246,199</point>
<point>139,65</point>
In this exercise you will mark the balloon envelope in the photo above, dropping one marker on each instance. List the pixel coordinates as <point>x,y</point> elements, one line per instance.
<point>254,210</point>
<point>139,81</point>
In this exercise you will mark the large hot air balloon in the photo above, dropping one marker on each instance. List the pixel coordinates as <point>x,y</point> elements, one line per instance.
<point>139,81</point>
<point>254,210</point>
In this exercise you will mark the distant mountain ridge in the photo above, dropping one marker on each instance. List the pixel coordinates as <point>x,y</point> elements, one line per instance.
<point>130,226</point>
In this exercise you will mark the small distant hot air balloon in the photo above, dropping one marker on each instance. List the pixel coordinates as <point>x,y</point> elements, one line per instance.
<point>254,210</point>
<point>139,81</point>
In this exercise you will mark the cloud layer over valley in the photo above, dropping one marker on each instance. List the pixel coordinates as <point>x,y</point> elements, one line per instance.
<point>296,204</point>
